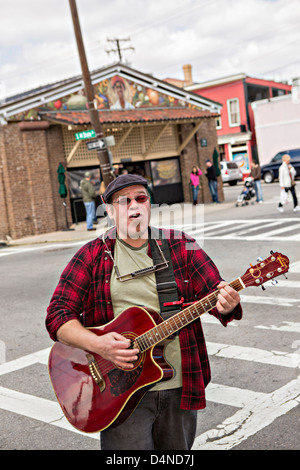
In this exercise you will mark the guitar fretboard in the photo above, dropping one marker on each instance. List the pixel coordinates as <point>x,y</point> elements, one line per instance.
<point>181,319</point>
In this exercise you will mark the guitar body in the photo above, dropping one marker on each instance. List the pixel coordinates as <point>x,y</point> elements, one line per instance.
<point>92,401</point>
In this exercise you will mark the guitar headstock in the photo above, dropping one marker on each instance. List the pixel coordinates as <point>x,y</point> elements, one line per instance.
<point>266,269</point>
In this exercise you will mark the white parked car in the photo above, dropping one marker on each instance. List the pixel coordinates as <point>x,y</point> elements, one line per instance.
<point>231,173</point>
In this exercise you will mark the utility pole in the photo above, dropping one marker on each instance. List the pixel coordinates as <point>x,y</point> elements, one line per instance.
<point>105,166</point>
<point>119,49</point>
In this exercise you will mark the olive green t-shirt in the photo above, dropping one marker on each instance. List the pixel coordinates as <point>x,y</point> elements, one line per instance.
<point>141,291</point>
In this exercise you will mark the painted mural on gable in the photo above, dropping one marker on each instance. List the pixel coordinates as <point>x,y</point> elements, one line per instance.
<point>116,93</point>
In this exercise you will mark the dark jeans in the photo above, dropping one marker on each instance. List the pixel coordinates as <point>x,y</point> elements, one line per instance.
<point>195,190</point>
<point>157,423</point>
<point>213,186</point>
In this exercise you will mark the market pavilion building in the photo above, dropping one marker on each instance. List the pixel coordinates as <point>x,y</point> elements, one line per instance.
<point>151,127</point>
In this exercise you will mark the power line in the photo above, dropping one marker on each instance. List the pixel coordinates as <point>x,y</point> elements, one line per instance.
<point>118,49</point>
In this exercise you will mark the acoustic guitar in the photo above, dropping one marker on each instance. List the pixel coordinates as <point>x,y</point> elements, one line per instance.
<point>95,394</point>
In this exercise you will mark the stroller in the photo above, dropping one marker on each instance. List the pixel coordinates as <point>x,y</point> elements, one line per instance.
<point>247,194</point>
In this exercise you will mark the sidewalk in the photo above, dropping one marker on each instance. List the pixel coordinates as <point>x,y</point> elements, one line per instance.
<point>79,232</point>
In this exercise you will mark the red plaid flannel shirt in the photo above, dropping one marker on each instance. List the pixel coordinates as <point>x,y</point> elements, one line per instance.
<point>83,293</point>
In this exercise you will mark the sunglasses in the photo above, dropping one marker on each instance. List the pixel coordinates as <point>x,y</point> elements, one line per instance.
<point>125,201</point>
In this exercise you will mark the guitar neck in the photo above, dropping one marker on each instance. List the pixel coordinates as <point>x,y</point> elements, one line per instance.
<point>182,318</point>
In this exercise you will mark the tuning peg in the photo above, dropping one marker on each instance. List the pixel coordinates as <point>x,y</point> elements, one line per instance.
<point>274,282</point>
<point>285,276</point>
<point>271,252</point>
<point>263,287</point>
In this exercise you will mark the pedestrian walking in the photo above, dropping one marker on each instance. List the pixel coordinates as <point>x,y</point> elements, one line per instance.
<point>211,175</point>
<point>255,174</point>
<point>89,200</point>
<point>195,176</point>
<point>133,264</point>
<point>287,174</point>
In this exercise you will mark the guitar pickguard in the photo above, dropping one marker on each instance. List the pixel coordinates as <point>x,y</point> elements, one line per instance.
<point>121,380</point>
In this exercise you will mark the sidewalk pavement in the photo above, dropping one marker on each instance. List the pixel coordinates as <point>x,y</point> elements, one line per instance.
<point>78,232</point>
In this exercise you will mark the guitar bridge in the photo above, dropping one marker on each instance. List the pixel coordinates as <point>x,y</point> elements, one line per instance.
<point>95,372</point>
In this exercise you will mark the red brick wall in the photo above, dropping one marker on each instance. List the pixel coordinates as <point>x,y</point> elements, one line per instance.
<point>56,156</point>
<point>195,155</point>
<point>28,165</point>
<point>3,190</point>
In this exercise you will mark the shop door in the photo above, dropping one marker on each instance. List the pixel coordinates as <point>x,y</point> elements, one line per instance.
<point>166,181</point>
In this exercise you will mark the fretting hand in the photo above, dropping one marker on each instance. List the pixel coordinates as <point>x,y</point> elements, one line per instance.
<point>228,298</point>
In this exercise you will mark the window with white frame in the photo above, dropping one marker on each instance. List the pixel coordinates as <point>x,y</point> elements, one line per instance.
<point>233,108</point>
<point>218,122</point>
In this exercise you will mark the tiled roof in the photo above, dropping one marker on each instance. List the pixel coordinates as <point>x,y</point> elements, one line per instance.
<point>127,116</point>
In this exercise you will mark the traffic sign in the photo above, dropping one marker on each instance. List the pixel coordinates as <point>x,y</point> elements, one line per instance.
<point>96,144</point>
<point>85,134</point>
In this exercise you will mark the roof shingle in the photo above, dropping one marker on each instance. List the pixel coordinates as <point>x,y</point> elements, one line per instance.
<point>127,116</point>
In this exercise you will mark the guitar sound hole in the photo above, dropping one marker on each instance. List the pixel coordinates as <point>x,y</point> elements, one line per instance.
<point>141,356</point>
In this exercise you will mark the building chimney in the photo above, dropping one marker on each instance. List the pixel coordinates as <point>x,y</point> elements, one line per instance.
<point>187,71</point>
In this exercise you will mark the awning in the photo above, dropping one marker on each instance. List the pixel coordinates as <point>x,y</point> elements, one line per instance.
<point>128,119</point>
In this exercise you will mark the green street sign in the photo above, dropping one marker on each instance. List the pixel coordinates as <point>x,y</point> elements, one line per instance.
<point>85,134</point>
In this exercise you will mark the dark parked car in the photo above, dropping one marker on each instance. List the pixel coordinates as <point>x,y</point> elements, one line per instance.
<point>269,172</point>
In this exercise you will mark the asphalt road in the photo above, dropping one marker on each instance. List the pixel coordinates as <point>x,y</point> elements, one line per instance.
<point>253,399</point>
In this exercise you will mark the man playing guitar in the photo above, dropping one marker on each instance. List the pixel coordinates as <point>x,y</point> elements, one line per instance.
<point>117,271</point>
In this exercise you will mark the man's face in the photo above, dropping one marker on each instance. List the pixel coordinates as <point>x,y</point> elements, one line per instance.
<point>132,219</point>
<point>119,89</point>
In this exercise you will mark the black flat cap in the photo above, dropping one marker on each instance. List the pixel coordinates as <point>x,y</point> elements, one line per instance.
<point>122,182</point>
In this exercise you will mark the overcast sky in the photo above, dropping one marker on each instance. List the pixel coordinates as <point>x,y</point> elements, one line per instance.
<point>217,37</point>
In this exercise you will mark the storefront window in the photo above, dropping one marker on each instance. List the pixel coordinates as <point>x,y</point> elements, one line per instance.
<point>165,172</point>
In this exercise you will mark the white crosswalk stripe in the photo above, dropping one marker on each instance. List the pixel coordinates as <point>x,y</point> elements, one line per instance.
<point>295,267</point>
<point>15,250</point>
<point>287,229</point>
<point>254,230</point>
<point>292,327</point>
<point>258,413</point>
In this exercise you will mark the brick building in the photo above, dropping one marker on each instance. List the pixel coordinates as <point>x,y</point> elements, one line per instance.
<point>156,129</point>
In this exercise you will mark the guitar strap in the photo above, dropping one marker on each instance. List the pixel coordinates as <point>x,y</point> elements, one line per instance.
<point>165,278</point>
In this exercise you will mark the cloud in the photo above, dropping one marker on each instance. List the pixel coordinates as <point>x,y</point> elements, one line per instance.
<point>217,37</point>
